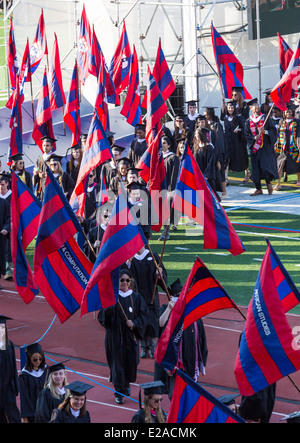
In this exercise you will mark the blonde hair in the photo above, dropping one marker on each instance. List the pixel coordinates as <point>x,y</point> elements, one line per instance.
<point>53,388</point>
<point>148,416</point>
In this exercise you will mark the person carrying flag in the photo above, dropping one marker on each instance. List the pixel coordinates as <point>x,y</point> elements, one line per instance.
<point>4,233</point>
<point>138,145</point>
<point>39,171</point>
<point>18,165</point>
<point>261,135</point>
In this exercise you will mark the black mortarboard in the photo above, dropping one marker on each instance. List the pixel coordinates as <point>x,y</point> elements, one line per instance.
<point>180,115</point>
<point>34,348</point>
<point>200,117</point>
<point>124,160</point>
<point>294,417</point>
<point>78,388</point>
<point>125,271</point>
<point>76,147</point>
<point>231,102</point>
<point>140,126</point>
<point>237,88</point>
<point>118,148</point>
<point>133,169</point>
<point>83,136</point>
<point>134,185</point>
<point>267,91</point>
<point>57,366</point>
<point>192,102</point>
<point>16,157</point>
<point>180,139</point>
<point>228,399</point>
<point>175,288</point>
<point>48,138</point>
<point>5,177</point>
<point>3,319</point>
<point>153,387</point>
<point>252,102</point>
<point>210,107</point>
<point>109,133</point>
<point>55,157</point>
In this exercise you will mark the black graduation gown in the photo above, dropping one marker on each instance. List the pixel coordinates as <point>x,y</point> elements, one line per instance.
<point>4,224</point>
<point>187,353</point>
<point>144,274</point>
<point>26,177</point>
<point>30,387</point>
<point>37,182</point>
<point>67,184</point>
<point>139,417</point>
<point>64,416</point>
<point>189,123</point>
<point>206,159</point>
<point>220,147</point>
<point>172,163</point>
<point>264,165</point>
<point>142,212</point>
<point>236,144</point>
<point>9,386</point>
<point>95,233</point>
<point>259,405</point>
<point>121,344</point>
<point>91,201</point>
<point>291,166</point>
<point>46,403</point>
<point>137,150</point>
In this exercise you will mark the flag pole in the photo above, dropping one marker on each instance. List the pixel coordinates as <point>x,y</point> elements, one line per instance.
<point>292,381</point>
<point>159,273</point>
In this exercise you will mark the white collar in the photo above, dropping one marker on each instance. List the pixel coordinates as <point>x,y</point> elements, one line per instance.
<point>103,226</point>
<point>142,255</point>
<point>256,119</point>
<point>193,117</point>
<point>6,195</point>
<point>75,413</point>
<point>36,374</point>
<point>125,294</point>
<point>141,140</point>
<point>167,153</point>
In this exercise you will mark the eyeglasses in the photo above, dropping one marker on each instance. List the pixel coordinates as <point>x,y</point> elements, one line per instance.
<point>53,164</point>
<point>157,400</point>
<point>35,359</point>
<point>125,279</point>
<point>178,121</point>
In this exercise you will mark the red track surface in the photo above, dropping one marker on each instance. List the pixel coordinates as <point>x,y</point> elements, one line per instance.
<point>82,340</point>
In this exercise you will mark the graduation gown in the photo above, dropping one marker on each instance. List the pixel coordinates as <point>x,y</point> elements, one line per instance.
<point>4,224</point>
<point>136,150</point>
<point>9,385</point>
<point>95,233</point>
<point>143,270</point>
<point>30,387</point>
<point>39,183</point>
<point>46,403</point>
<point>236,144</point>
<point>139,417</point>
<point>172,163</point>
<point>64,416</point>
<point>91,200</point>
<point>142,212</point>
<point>67,184</point>
<point>206,159</point>
<point>264,165</point>
<point>121,344</point>
<point>25,176</point>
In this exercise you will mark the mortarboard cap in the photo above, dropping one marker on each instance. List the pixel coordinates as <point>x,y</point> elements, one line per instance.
<point>83,136</point>
<point>34,348</point>
<point>49,139</point>
<point>57,366</point>
<point>192,102</point>
<point>201,117</point>
<point>134,185</point>
<point>175,288</point>
<point>294,417</point>
<point>153,387</point>
<point>267,91</point>
<point>5,177</point>
<point>237,88</point>
<point>56,157</point>
<point>76,147</point>
<point>231,102</point>
<point>3,319</point>
<point>134,170</point>
<point>180,115</point>
<point>228,399</point>
<point>140,126</point>
<point>78,388</point>
<point>117,148</point>
<point>210,107</point>
<point>252,102</point>
<point>123,160</point>
<point>109,133</point>
<point>16,157</point>
<point>181,139</point>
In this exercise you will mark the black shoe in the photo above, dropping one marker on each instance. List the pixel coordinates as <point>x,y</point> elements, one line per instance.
<point>1,288</point>
<point>119,400</point>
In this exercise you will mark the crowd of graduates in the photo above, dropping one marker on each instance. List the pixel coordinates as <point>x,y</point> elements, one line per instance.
<point>260,141</point>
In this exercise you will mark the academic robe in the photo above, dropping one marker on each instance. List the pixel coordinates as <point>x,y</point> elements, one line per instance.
<point>142,212</point>
<point>190,122</point>
<point>121,343</point>
<point>192,354</point>
<point>143,270</point>
<point>91,200</point>
<point>9,386</point>
<point>46,403</point>
<point>206,160</point>
<point>37,182</point>
<point>139,417</point>
<point>172,163</point>
<point>64,416</point>
<point>26,177</point>
<point>283,144</point>
<point>30,387</point>
<point>95,233</point>
<point>264,165</point>
<point>136,150</point>
<point>4,224</point>
<point>67,184</point>
<point>236,144</point>
<point>260,405</point>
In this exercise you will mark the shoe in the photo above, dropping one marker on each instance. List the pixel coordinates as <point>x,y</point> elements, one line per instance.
<point>257,192</point>
<point>8,277</point>
<point>1,288</point>
<point>174,228</point>
<point>162,237</point>
<point>285,179</point>
<point>270,189</point>
<point>144,354</point>
<point>119,400</point>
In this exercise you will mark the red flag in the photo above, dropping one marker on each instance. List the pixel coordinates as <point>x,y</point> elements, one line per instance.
<point>56,90</point>
<point>72,108</point>
<point>101,99</point>
<point>84,46</point>
<point>12,59</point>
<point>120,66</point>
<point>282,93</point>
<point>15,124</point>
<point>39,45</point>
<point>132,104</point>
<point>285,55</point>
<point>24,75</point>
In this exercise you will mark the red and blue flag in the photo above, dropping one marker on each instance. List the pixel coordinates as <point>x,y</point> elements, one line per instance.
<point>61,270</point>
<point>103,194</point>
<point>285,55</point>
<point>120,62</point>
<point>132,105</point>
<point>162,75</point>
<point>25,214</point>
<point>101,104</point>
<point>56,89</point>
<point>231,72</point>
<point>24,75</point>
<point>84,46</point>
<point>266,353</point>
<point>201,295</point>
<point>194,197</point>
<point>72,108</point>
<point>12,59</point>
<point>39,45</point>
<point>156,108</point>
<point>282,93</point>
<point>43,120</point>
<point>97,150</point>
<point>15,124</point>
<point>122,239</point>
<point>191,403</point>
